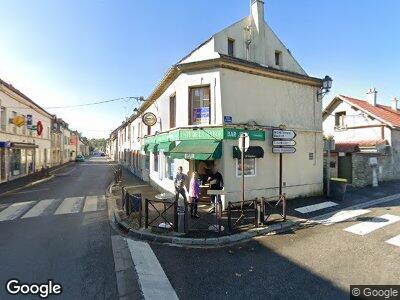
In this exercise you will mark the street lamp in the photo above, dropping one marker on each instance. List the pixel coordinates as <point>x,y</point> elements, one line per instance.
<point>326,86</point>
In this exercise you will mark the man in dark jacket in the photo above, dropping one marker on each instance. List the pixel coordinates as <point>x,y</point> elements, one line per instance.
<point>179,183</point>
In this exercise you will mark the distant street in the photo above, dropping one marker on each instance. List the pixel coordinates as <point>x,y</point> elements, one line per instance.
<point>60,230</point>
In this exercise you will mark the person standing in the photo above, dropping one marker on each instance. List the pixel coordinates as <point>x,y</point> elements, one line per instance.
<point>216,183</point>
<point>194,193</point>
<point>179,183</point>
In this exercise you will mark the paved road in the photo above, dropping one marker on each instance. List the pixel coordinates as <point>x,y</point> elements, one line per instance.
<point>60,230</point>
<point>64,234</point>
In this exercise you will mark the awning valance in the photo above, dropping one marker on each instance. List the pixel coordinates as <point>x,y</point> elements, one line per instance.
<point>252,152</point>
<point>166,147</point>
<point>151,148</point>
<point>198,150</point>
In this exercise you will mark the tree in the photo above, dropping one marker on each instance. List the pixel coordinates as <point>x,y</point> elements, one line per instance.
<point>97,145</point>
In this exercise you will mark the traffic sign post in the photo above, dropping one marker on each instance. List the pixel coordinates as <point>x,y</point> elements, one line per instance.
<point>244,142</point>
<point>283,143</point>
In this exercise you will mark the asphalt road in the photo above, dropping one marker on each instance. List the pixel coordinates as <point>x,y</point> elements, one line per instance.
<point>73,247</point>
<point>64,234</point>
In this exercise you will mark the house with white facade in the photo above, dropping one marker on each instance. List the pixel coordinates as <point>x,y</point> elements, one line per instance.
<point>367,136</point>
<point>242,79</point>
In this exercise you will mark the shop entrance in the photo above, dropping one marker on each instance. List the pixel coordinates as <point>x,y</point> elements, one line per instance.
<point>204,170</point>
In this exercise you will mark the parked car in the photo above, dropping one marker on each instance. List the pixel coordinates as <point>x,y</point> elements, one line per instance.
<point>80,158</point>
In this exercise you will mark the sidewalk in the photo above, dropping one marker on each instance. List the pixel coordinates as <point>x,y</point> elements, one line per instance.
<point>315,206</point>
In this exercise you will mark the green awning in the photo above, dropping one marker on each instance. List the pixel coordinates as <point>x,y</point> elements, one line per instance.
<point>198,150</point>
<point>252,152</point>
<point>151,148</point>
<point>166,147</point>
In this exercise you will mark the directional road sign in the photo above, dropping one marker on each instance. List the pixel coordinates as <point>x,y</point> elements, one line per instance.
<point>283,150</point>
<point>283,143</point>
<point>283,134</point>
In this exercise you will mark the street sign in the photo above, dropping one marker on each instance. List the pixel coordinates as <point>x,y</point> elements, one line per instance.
<point>283,134</point>
<point>246,144</point>
<point>283,150</point>
<point>283,143</point>
<point>228,119</point>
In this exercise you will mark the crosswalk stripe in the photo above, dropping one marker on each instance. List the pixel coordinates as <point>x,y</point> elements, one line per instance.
<point>394,241</point>
<point>15,210</point>
<point>310,208</point>
<point>375,223</point>
<point>90,204</point>
<point>70,205</point>
<point>153,281</point>
<point>39,208</point>
<point>101,204</point>
<point>341,216</point>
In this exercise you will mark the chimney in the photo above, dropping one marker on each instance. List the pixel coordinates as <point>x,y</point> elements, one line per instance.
<point>394,103</point>
<point>257,12</point>
<point>371,96</point>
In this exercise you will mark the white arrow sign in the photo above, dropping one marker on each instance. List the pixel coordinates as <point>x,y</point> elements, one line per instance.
<point>284,143</point>
<point>283,134</point>
<point>283,150</point>
<point>246,138</point>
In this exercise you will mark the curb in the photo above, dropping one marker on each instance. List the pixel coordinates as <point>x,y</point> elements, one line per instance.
<point>27,185</point>
<point>206,242</point>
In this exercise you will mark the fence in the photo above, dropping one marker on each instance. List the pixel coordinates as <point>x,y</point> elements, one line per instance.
<point>118,175</point>
<point>132,205</point>
<point>210,218</point>
<point>163,214</point>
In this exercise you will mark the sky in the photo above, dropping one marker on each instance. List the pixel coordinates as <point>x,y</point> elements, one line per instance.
<point>72,52</point>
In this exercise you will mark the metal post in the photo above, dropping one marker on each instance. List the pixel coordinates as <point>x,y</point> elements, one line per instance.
<point>255,213</point>
<point>328,171</point>
<point>176,215</point>
<point>280,174</point>
<point>229,217</point>
<point>284,206</point>
<point>242,163</point>
<point>146,213</point>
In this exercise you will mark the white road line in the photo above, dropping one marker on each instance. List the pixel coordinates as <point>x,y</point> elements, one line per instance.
<point>314,207</point>
<point>15,210</point>
<point>153,281</point>
<point>70,205</point>
<point>101,204</point>
<point>366,227</point>
<point>38,209</point>
<point>90,204</point>
<point>341,216</point>
<point>394,241</point>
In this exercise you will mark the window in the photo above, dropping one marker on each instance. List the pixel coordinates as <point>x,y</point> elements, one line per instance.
<point>249,167</point>
<point>278,58</point>
<point>169,168</point>
<point>13,115</point>
<point>147,162</point>
<point>155,167</point>
<point>3,117</point>
<point>340,118</point>
<point>231,47</point>
<point>199,105</point>
<point>172,111</point>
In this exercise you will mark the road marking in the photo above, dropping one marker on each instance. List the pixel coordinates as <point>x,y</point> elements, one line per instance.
<point>38,209</point>
<point>366,227</point>
<point>341,216</point>
<point>15,210</point>
<point>153,281</point>
<point>90,204</point>
<point>314,207</point>
<point>101,204</point>
<point>70,205</point>
<point>394,241</point>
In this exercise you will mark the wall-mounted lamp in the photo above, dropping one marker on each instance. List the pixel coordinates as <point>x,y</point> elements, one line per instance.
<point>326,86</point>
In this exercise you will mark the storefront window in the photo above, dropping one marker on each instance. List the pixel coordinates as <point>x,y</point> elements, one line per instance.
<point>199,104</point>
<point>15,159</point>
<point>169,168</point>
<point>249,167</point>
<point>155,167</point>
<point>23,161</point>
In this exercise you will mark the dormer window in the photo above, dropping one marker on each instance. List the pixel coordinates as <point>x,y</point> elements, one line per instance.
<point>231,47</point>
<point>278,58</point>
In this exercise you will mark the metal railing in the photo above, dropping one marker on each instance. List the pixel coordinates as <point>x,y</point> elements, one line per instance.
<point>118,175</point>
<point>163,214</point>
<point>132,205</point>
<point>208,219</point>
<point>273,205</point>
<point>242,215</point>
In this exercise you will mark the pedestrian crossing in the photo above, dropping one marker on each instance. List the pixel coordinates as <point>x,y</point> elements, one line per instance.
<point>311,208</point>
<point>70,205</point>
<point>373,224</point>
